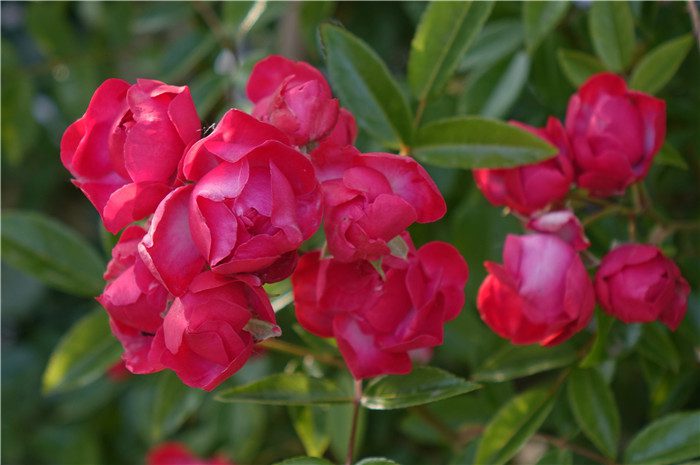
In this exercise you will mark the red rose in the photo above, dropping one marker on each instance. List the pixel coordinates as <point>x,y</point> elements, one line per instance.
<point>379,321</point>
<point>294,97</point>
<point>134,300</point>
<point>208,333</point>
<point>125,150</point>
<point>529,188</point>
<point>541,293</point>
<point>636,283</point>
<point>614,134</point>
<point>374,197</point>
<point>173,453</point>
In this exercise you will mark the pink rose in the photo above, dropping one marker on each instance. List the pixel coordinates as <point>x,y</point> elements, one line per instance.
<point>379,322</point>
<point>174,453</point>
<point>125,150</point>
<point>636,283</point>
<point>209,332</point>
<point>541,293</point>
<point>134,300</point>
<point>614,134</point>
<point>563,224</point>
<point>294,97</point>
<point>529,188</point>
<point>371,198</point>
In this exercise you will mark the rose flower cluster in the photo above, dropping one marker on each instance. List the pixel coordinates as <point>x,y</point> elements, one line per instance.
<point>206,221</point>
<point>542,292</point>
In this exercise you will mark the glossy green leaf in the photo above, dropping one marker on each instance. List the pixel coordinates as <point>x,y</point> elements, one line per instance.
<point>82,355</point>
<point>174,403</point>
<point>497,40</point>
<point>376,461</point>
<point>540,18</point>
<point>611,27</point>
<point>513,425</point>
<point>658,66</point>
<point>669,156</point>
<point>557,457</point>
<point>513,362</point>
<point>578,66</point>
<point>445,32</point>
<point>656,345</point>
<point>423,385</point>
<point>671,439</point>
<point>597,354</point>
<point>51,252</point>
<point>304,461</point>
<point>593,405</point>
<point>365,86</point>
<point>508,87</point>
<point>472,142</point>
<point>286,389</point>
<point>310,424</point>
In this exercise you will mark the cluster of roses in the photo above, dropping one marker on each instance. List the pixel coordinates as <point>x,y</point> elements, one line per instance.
<point>542,292</point>
<point>209,220</point>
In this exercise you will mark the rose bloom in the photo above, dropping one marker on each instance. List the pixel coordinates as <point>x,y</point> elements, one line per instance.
<point>134,300</point>
<point>294,97</point>
<point>380,321</point>
<point>209,332</point>
<point>614,134</point>
<point>563,224</point>
<point>174,453</point>
<point>124,151</point>
<point>636,283</point>
<point>371,198</point>
<point>541,293</point>
<point>530,188</point>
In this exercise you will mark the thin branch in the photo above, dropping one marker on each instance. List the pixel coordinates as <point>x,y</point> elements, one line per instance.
<point>353,426</point>
<point>695,19</point>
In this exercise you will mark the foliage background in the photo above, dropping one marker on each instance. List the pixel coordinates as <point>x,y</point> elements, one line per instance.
<point>55,54</point>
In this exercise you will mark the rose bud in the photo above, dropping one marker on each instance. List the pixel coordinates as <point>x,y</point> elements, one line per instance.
<point>134,300</point>
<point>529,188</point>
<point>564,224</point>
<point>125,150</point>
<point>174,453</point>
<point>378,320</point>
<point>541,293</point>
<point>209,332</point>
<point>294,97</point>
<point>614,134</point>
<point>637,284</point>
<point>376,197</point>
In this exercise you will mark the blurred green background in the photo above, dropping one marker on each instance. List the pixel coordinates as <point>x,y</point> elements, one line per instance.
<point>55,54</point>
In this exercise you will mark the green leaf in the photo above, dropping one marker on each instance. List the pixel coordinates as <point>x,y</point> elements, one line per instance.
<point>513,425</point>
<point>310,423</point>
<point>611,27</point>
<point>512,362</point>
<point>656,345</point>
<point>669,156</point>
<point>286,389</point>
<point>497,40</point>
<point>557,457</point>
<point>82,355</point>
<point>593,405</point>
<point>421,386</point>
<point>304,461</point>
<point>472,142</point>
<point>578,66</point>
<point>376,461</point>
<point>174,403</point>
<point>508,87</point>
<point>597,354</point>
<point>445,32</point>
<point>539,19</point>
<point>365,86</point>
<point>671,439</point>
<point>51,252</point>
<point>658,66</point>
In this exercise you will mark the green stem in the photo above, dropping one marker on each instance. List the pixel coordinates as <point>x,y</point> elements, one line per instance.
<point>355,415</point>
